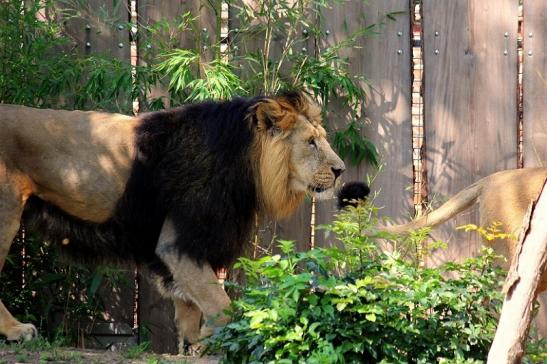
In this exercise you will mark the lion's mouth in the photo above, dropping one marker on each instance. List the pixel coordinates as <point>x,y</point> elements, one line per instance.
<point>319,189</point>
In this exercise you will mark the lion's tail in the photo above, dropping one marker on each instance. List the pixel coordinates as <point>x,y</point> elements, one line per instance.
<point>460,202</point>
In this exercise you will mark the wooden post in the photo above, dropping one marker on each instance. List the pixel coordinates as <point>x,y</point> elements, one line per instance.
<point>528,265</point>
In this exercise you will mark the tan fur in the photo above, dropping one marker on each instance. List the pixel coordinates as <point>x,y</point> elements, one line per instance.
<point>504,197</point>
<point>81,161</point>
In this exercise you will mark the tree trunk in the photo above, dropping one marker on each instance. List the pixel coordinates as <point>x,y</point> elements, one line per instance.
<point>527,267</point>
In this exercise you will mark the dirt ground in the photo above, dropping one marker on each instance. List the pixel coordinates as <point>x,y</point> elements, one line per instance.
<point>12,355</point>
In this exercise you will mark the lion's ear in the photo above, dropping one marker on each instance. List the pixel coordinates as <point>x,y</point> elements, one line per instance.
<point>274,115</point>
<point>296,99</point>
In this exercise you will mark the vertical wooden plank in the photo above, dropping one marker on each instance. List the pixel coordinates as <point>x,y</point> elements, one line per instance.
<point>153,11</point>
<point>535,83</point>
<point>534,105</point>
<point>297,227</point>
<point>101,28</point>
<point>386,61</point>
<point>115,328</point>
<point>470,102</point>
<point>150,12</point>
<point>156,318</point>
<point>202,35</point>
<point>209,17</point>
<point>388,66</point>
<point>120,295</point>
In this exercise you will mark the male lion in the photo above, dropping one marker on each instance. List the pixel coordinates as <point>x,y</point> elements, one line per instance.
<point>174,191</point>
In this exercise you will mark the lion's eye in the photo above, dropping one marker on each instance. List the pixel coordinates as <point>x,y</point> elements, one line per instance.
<point>312,142</point>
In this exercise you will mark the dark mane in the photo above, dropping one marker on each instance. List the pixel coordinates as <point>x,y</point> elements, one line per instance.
<point>192,165</point>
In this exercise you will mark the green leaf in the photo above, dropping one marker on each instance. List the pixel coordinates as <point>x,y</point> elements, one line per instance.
<point>96,281</point>
<point>371,317</point>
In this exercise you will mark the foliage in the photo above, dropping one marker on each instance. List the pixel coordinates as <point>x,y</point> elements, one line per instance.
<point>187,73</point>
<point>492,232</point>
<point>361,304</point>
<point>351,145</point>
<point>40,65</point>
<point>281,44</point>
<point>59,298</point>
<point>218,81</point>
<point>25,43</point>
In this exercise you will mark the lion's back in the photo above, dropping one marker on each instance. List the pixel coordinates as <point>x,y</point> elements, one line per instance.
<point>70,155</point>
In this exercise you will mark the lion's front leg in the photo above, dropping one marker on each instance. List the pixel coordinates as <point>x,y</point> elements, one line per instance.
<point>11,209</point>
<point>193,282</point>
<point>188,322</point>
<point>13,329</point>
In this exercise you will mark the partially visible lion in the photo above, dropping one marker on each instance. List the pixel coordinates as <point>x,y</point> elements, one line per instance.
<point>175,191</point>
<point>503,196</point>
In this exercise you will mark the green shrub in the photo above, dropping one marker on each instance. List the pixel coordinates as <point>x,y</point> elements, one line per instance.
<point>360,304</point>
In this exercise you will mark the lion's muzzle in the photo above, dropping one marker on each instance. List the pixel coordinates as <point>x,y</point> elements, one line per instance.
<point>327,179</point>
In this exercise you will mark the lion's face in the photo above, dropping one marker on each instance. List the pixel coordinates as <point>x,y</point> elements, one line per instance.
<point>295,157</point>
<point>315,167</point>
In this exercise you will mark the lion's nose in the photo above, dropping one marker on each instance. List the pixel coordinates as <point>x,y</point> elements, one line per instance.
<point>337,171</point>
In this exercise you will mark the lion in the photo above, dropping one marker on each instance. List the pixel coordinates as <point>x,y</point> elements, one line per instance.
<point>176,191</point>
<point>503,197</point>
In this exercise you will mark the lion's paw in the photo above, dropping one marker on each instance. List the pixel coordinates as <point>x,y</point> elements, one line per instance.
<point>196,349</point>
<point>188,349</point>
<point>21,332</point>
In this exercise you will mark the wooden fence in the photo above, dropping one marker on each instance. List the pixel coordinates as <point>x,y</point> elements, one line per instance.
<point>444,105</point>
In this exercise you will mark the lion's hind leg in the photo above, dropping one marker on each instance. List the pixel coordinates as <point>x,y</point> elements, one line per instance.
<point>12,200</point>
